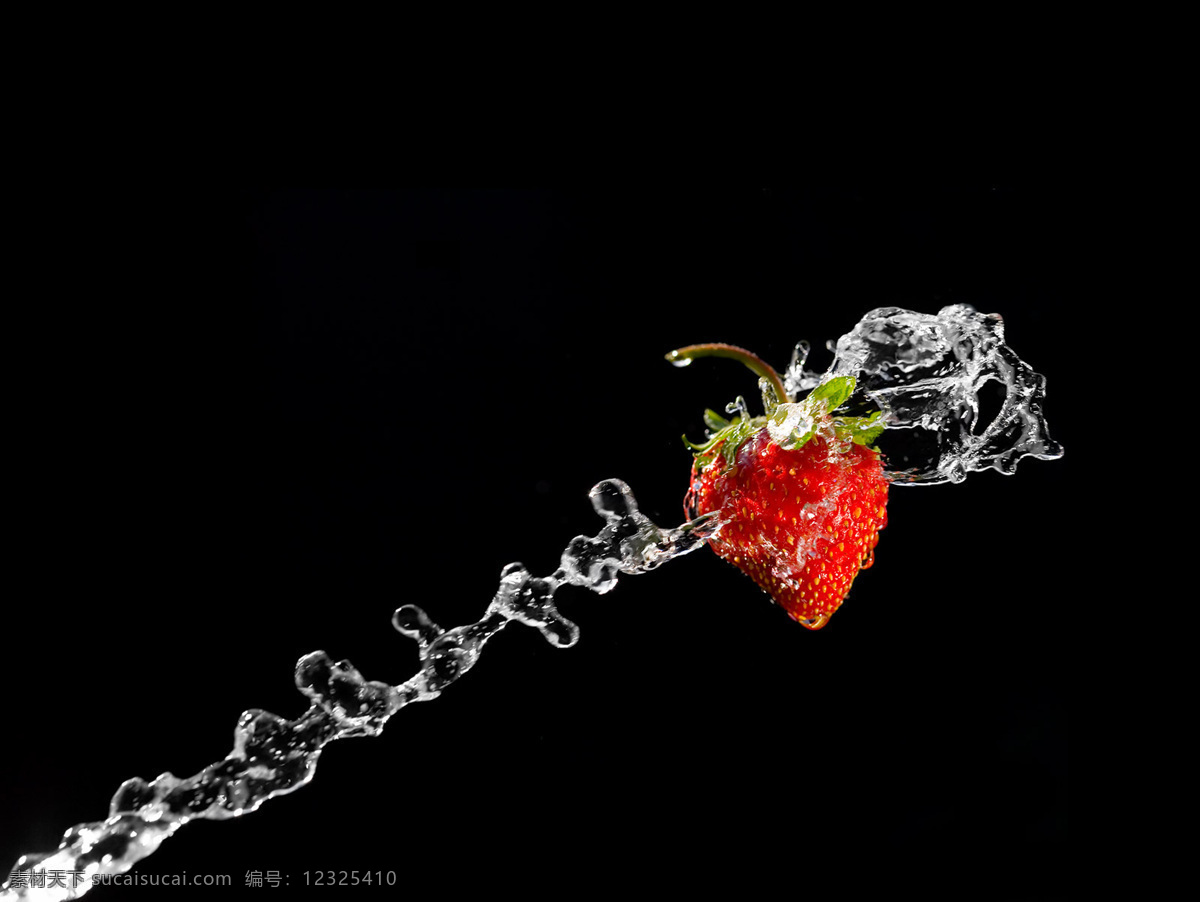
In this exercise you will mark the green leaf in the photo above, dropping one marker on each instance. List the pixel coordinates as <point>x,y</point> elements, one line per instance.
<point>832,393</point>
<point>860,430</point>
<point>734,437</point>
<point>730,436</point>
<point>714,420</point>
<point>799,441</point>
<point>704,446</point>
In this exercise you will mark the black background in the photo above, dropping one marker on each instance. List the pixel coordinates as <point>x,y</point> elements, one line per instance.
<point>248,425</point>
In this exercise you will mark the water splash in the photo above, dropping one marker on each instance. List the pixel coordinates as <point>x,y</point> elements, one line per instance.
<point>273,756</point>
<point>926,373</point>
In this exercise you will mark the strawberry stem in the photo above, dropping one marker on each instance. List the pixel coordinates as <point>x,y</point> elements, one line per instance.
<point>684,356</point>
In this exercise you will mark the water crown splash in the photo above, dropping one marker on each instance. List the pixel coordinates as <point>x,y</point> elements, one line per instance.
<point>924,372</point>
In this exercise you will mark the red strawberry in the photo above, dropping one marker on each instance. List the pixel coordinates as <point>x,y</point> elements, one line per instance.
<point>801,494</point>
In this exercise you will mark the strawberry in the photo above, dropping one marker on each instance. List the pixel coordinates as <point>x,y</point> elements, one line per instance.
<point>800,491</point>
